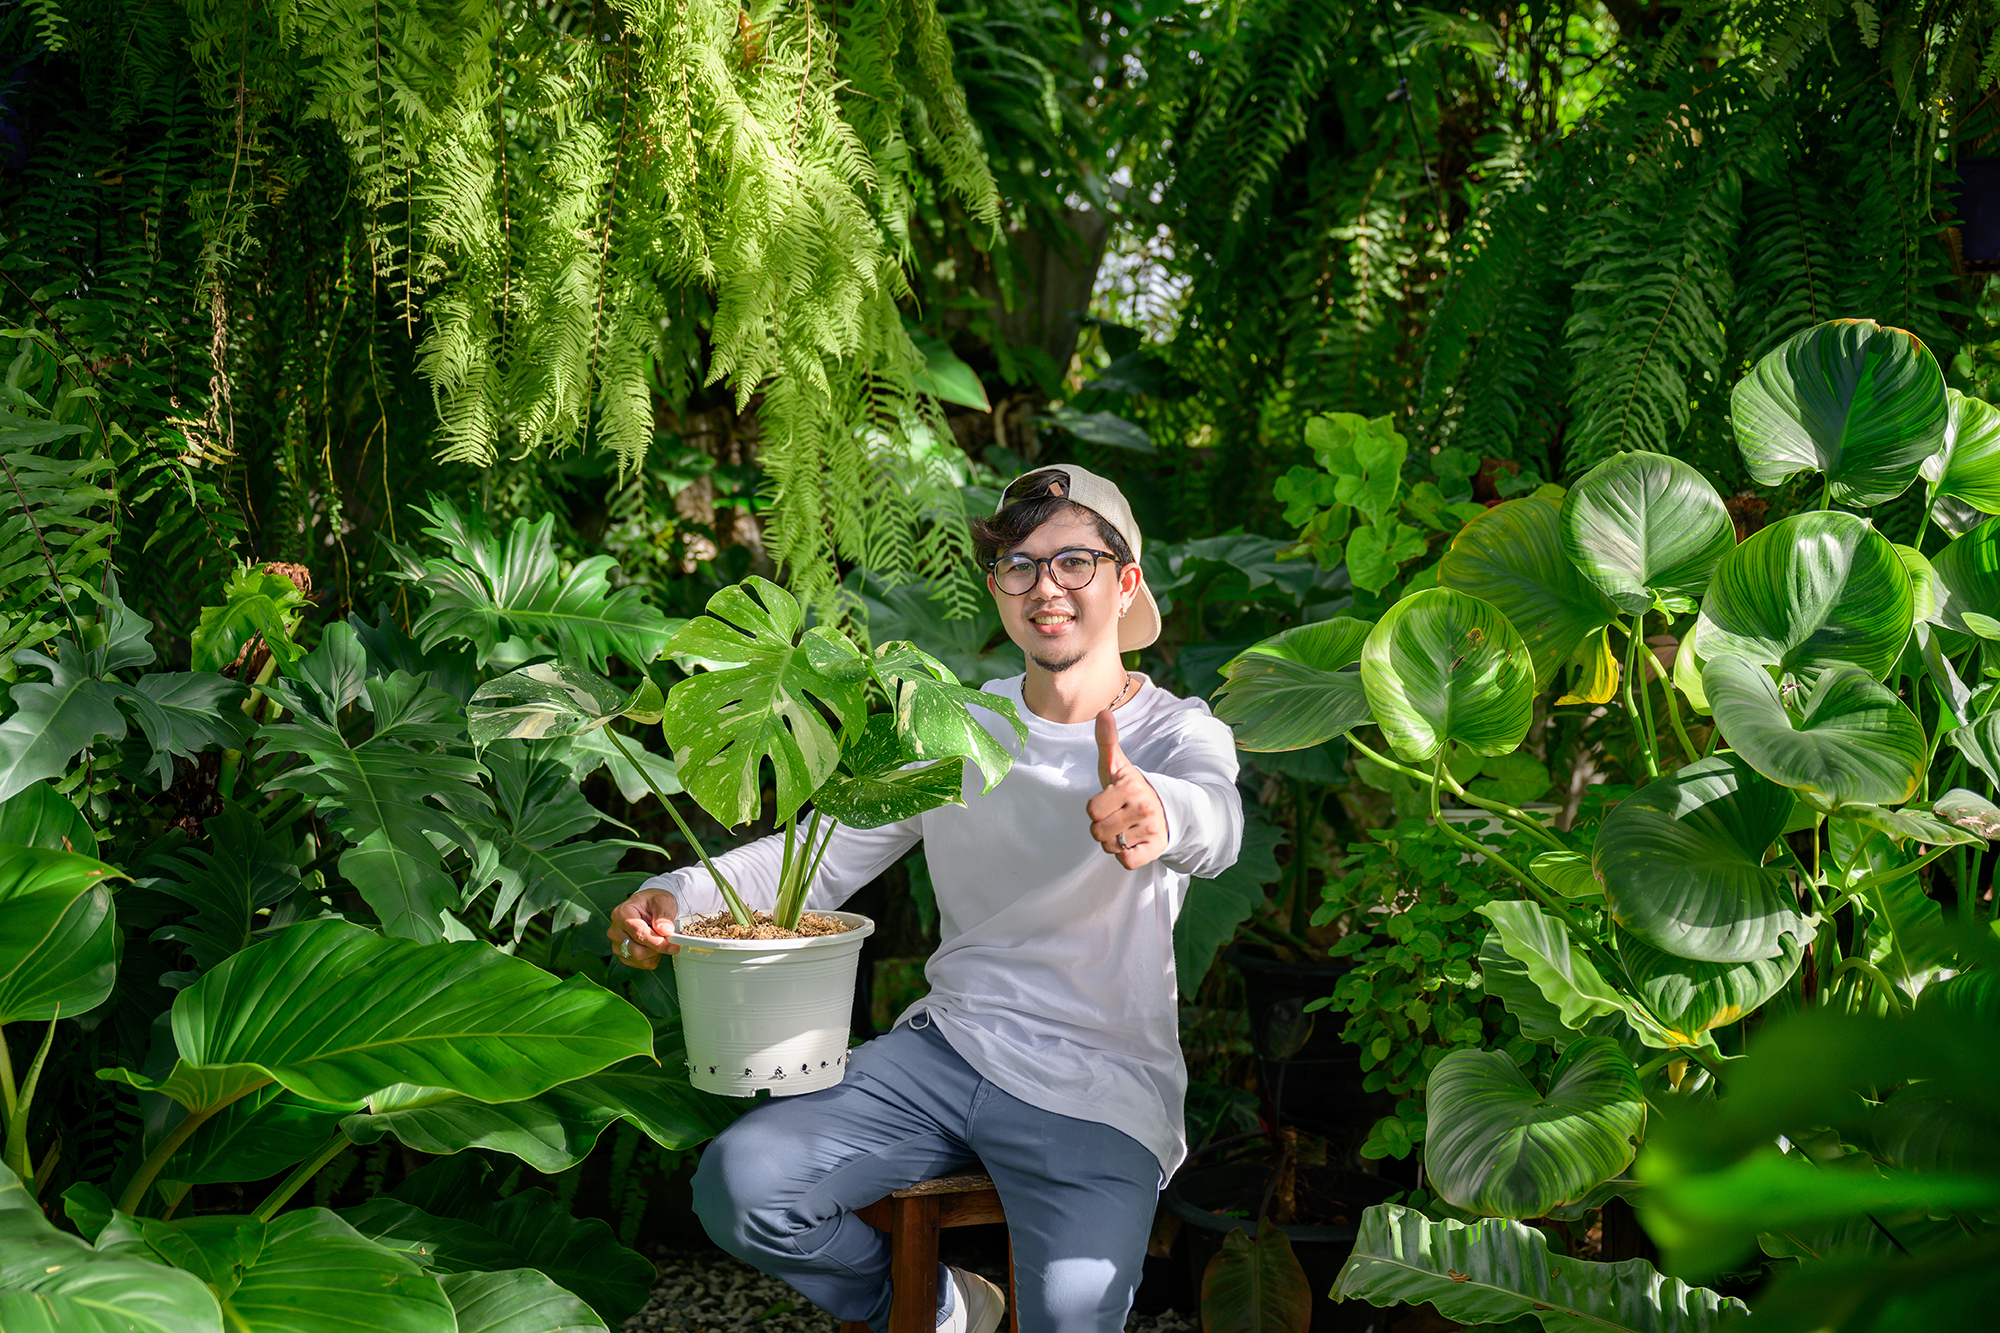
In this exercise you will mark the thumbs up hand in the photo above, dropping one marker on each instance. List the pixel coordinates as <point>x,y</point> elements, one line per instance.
<point>1126,816</point>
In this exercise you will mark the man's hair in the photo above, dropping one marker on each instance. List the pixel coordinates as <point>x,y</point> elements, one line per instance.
<point>1031,502</point>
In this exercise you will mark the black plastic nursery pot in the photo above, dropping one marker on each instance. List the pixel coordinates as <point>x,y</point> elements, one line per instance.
<point>1312,1078</point>
<point>1211,1201</point>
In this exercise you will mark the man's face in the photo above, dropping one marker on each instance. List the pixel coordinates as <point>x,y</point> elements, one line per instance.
<point>1060,627</point>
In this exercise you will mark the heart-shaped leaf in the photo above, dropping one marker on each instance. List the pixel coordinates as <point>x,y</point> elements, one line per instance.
<point>725,724</point>
<point>554,699</point>
<point>1852,740</point>
<point>1648,530</point>
<point>1968,578</point>
<point>515,1300</point>
<point>1807,592</point>
<point>1682,863</point>
<point>1512,556</point>
<point>1978,741</point>
<point>1294,689</point>
<point>1256,1286</point>
<point>1690,998</point>
<point>1442,666</point>
<point>1967,468</point>
<point>1497,1145</point>
<point>1558,967</point>
<point>1568,873</point>
<point>1862,404</point>
<point>59,952</point>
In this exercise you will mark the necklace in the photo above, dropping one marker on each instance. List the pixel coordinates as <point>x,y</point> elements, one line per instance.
<point>1129,680</point>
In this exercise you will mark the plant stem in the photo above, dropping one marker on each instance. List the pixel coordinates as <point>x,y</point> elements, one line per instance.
<point>737,911</point>
<point>17,1157</point>
<point>1631,708</point>
<point>1478,848</point>
<point>305,1171</point>
<point>142,1179</point>
<point>1659,673</point>
<point>8,1097</point>
<point>1528,823</point>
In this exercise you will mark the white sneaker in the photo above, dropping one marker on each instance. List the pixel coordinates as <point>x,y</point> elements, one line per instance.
<point>977,1306</point>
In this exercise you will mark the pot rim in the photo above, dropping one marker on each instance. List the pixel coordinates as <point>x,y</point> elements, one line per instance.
<point>861,928</point>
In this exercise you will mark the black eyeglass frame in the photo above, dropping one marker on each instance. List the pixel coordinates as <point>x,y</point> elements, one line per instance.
<point>1048,561</point>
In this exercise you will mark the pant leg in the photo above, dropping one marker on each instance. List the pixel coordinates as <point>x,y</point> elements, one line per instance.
<point>777,1188</point>
<point>1080,1199</point>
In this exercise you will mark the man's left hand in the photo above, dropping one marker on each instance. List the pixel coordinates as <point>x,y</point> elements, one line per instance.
<point>1126,817</point>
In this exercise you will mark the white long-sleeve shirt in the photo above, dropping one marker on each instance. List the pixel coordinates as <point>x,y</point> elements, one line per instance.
<point>1054,975</point>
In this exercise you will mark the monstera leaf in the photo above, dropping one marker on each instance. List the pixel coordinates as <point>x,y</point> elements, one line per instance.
<point>1852,742</point>
<point>725,724</point>
<point>1682,864</point>
<point>555,699</point>
<point>1648,530</point>
<point>1967,468</point>
<point>1514,557</point>
<point>1294,689</point>
<point>932,712</point>
<point>59,952</point>
<point>1861,404</point>
<point>183,713</point>
<point>885,782</point>
<point>1808,592</point>
<point>1442,666</point>
<point>1498,1145</point>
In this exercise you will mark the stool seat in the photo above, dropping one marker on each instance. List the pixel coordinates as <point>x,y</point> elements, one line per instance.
<point>913,1216</point>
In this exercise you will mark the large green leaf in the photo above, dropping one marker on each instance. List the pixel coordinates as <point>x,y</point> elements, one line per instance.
<point>1648,530</point>
<point>334,1012</point>
<point>1852,741</point>
<point>54,722</point>
<point>1514,556</point>
<point>40,816</point>
<point>933,712</point>
<point>1215,908</point>
<point>1496,1271</point>
<point>1442,666</point>
<point>1967,468</point>
<point>1682,864</point>
<point>1861,404</point>
<point>243,872</point>
<point>258,603</point>
<point>486,589</point>
<point>59,951</point>
<point>1256,1285</point>
<point>1294,689</point>
<point>183,713</point>
<point>1559,969</point>
<point>884,782</point>
<point>1978,741</point>
<point>51,1282</point>
<point>1691,998</point>
<point>527,850</point>
<point>1807,592</point>
<point>1507,979</point>
<point>726,724</point>
<point>554,699</point>
<point>515,1300</point>
<point>1968,577</point>
<point>1497,1145</point>
<point>255,1137</point>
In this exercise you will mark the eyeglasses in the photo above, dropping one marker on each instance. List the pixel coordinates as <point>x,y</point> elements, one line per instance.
<point>1072,569</point>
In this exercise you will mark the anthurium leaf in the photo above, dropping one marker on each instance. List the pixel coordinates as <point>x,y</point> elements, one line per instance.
<point>885,783</point>
<point>1690,998</point>
<point>1442,666</point>
<point>725,724</point>
<point>1215,908</point>
<point>1256,1285</point>
<point>554,699</point>
<point>1851,741</point>
<point>1905,930</point>
<point>334,1012</point>
<point>59,951</point>
<point>1645,527</point>
<point>1862,404</point>
<point>515,1300</point>
<point>1968,578</point>
<point>51,1282</point>
<point>1495,1144</point>
<point>1810,591</point>
<point>934,714</point>
<point>40,816</point>
<point>1497,1270</point>
<point>54,722</point>
<point>258,603</point>
<point>1513,556</point>
<point>1294,689</point>
<point>1561,970</point>
<point>1967,467</point>
<point>1969,811</point>
<point>1568,873</point>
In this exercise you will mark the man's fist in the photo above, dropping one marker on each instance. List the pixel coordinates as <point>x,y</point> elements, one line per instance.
<point>642,928</point>
<point>1125,816</point>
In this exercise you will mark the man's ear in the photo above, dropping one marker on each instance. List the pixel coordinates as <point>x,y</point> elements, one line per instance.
<point>1130,577</point>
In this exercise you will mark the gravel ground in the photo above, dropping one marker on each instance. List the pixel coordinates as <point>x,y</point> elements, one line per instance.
<point>715,1292</point>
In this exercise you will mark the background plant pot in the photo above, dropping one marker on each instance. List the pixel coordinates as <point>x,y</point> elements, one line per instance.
<point>1311,1078</point>
<point>1331,1198</point>
<point>769,1014</point>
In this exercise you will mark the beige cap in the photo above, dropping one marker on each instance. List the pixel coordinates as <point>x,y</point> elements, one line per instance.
<point>1141,624</point>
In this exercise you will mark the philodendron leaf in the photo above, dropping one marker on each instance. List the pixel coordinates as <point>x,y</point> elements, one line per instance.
<point>1851,742</point>
<point>1691,998</point>
<point>1648,530</point>
<point>554,699</point>
<point>725,724</point>
<point>1682,864</point>
<point>1967,468</point>
<point>885,783</point>
<point>933,712</point>
<point>1442,666</point>
<point>515,1300</point>
<point>1256,1286</point>
<point>1295,689</point>
<point>1861,404</point>
<point>51,1282</point>
<point>334,1012</point>
<point>1968,578</point>
<point>1496,1271</point>
<point>1513,557</point>
<point>255,1138</point>
<point>59,951</point>
<point>54,722</point>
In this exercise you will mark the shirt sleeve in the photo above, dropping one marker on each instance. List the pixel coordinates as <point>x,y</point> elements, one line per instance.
<point>853,858</point>
<point>1195,777</point>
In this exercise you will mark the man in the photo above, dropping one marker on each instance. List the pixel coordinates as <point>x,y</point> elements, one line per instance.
<point>1047,1052</point>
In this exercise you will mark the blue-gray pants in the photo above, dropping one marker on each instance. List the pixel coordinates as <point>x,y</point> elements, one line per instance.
<point>777,1188</point>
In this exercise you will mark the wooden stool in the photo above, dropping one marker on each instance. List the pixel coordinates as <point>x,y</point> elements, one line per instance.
<point>913,1217</point>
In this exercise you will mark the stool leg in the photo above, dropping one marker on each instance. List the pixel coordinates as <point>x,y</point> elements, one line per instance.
<point>913,1261</point>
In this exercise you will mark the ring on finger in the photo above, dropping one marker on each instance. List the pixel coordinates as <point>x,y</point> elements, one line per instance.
<point>1123,845</point>
<point>625,948</point>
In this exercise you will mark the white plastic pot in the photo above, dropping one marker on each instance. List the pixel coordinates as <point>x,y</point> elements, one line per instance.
<point>769,1014</point>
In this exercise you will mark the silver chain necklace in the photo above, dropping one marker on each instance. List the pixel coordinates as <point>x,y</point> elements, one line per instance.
<point>1129,679</point>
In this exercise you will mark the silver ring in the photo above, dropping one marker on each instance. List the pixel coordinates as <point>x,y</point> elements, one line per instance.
<point>625,948</point>
<point>1123,846</point>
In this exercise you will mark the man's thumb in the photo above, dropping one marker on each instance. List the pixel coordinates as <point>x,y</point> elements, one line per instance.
<point>1110,761</point>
